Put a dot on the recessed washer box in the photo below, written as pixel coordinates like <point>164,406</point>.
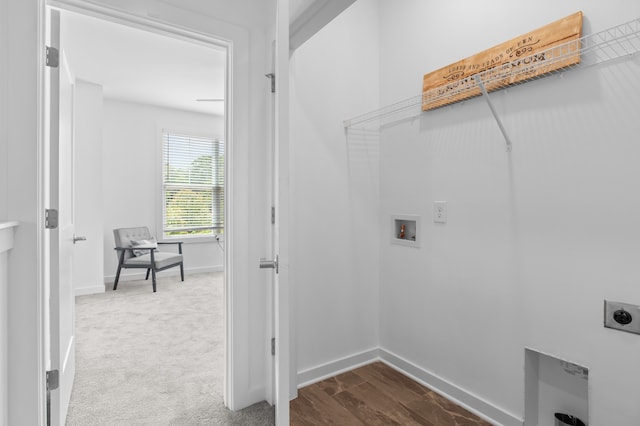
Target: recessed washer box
<point>405,230</point>
<point>554,385</point>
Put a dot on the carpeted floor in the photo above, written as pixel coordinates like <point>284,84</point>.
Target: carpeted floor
<point>145,358</point>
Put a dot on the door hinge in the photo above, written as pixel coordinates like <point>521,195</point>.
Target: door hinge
<point>273,215</point>
<point>272,76</point>
<point>51,57</point>
<point>53,380</point>
<point>51,218</point>
<point>273,346</point>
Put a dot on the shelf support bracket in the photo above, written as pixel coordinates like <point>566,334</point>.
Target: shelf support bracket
<point>478,80</point>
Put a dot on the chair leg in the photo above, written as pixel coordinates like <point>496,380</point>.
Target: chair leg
<point>120,262</point>
<point>115,283</point>
<point>153,278</point>
<point>181,272</point>
<point>147,277</point>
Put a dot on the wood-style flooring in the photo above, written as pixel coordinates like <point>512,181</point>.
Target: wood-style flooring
<point>376,395</point>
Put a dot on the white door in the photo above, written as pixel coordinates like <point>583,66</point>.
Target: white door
<point>61,238</point>
<point>281,229</point>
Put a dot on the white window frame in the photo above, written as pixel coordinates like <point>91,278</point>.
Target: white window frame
<point>161,190</point>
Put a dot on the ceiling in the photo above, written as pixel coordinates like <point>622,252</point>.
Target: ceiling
<point>139,66</point>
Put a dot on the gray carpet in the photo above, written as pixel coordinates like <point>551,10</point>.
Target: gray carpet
<point>145,358</point>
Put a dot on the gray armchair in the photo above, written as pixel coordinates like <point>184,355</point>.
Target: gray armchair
<point>136,248</point>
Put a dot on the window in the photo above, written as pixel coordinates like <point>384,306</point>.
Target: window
<point>192,185</point>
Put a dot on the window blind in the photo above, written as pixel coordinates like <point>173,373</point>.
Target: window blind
<point>192,185</point>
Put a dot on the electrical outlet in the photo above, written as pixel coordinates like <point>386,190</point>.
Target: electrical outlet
<point>440,211</point>
<point>622,316</point>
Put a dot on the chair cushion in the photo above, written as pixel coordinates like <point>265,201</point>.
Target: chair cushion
<point>123,237</point>
<point>162,259</point>
<point>150,243</point>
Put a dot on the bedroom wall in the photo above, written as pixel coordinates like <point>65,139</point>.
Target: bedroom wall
<point>537,238</point>
<point>131,190</point>
<point>334,207</point>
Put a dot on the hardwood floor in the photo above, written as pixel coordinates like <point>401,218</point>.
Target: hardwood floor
<point>376,395</point>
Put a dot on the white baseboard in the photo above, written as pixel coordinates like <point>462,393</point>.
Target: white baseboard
<point>83,291</point>
<point>465,399</point>
<point>127,275</point>
<point>333,368</point>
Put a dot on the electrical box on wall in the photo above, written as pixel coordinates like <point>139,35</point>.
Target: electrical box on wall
<point>622,316</point>
<point>405,230</point>
<point>440,211</point>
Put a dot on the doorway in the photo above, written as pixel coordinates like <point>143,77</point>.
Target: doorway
<point>130,156</point>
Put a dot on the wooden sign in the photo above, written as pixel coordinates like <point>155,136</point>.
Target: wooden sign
<point>522,58</point>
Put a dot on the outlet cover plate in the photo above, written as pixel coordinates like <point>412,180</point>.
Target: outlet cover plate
<point>610,308</point>
<point>440,211</point>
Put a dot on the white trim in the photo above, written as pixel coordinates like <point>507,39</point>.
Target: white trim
<point>338,366</point>
<point>7,232</point>
<point>68,353</point>
<point>9,224</point>
<point>41,243</point>
<point>270,193</point>
<point>228,393</point>
<point>87,7</point>
<point>285,381</point>
<point>478,406</point>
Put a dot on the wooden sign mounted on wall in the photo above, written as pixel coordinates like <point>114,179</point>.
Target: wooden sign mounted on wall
<point>525,57</point>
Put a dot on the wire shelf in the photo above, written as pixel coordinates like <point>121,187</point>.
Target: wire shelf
<point>613,43</point>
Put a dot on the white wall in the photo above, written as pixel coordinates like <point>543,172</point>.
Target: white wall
<point>24,357</point>
<point>4,306</point>
<point>4,35</point>
<point>88,258</point>
<point>334,229</point>
<point>535,239</point>
<point>131,160</point>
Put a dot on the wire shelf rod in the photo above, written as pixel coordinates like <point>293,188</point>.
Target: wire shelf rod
<point>495,114</point>
<point>604,46</point>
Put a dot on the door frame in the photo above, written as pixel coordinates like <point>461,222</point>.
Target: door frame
<point>167,29</point>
